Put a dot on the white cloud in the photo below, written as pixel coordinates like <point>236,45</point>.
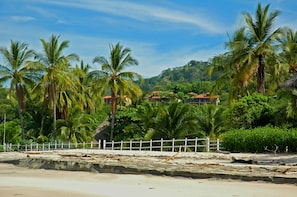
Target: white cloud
<point>147,12</point>
<point>22,18</point>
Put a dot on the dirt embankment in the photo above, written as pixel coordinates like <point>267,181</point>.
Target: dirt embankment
<point>247,167</point>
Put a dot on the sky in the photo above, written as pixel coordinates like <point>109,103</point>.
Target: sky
<point>161,34</point>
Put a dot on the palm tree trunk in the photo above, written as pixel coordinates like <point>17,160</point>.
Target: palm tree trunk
<point>113,112</point>
<point>112,126</point>
<point>55,121</point>
<point>261,75</point>
<point>19,99</point>
<point>21,121</point>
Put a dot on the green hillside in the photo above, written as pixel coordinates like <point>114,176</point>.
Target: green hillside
<point>191,73</point>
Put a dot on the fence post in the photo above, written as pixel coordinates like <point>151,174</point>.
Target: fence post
<point>104,144</point>
<point>62,145</point>
<point>121,145</point>
<point>37,147</point>
<point>151,145</point>
<point>140,145</point>
<point>42,146</point>
<point>186,142</point>
<point>84,145</point>
<point>172,145</point>
<point>31,146</point>
<point>26,147</point>
<point>207,144</point>
<point>18,147</point>
<point>218,144</point>
<point>112,145</point>
<point>161,144</point>
<point>69,145</point>
<point>99,144</point>
<point>49,146</point>
<point>130,145</point>
<point>196,144</point>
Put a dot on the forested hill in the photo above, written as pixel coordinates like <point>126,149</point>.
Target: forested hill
<point>191,72</point>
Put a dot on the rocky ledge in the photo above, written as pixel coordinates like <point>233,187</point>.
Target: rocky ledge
<point>276,168</point>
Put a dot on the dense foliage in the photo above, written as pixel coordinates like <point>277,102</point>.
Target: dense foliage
<point>50,96</point>
<point>263,139</point>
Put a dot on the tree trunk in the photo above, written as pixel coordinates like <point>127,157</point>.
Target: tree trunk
<point>112,126</point>
<point>261,75</point>
<point>55,121</point>
<point>113,112</point>
<point>19,97</point>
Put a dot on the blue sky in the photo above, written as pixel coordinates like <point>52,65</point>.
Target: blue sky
<point>161,33</point>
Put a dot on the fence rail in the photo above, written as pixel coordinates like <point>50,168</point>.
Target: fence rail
<point>174,145</point>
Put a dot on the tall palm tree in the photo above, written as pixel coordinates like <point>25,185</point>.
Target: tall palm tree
<point>236,64</point>
<point>56,77</point>
<point>262,37</point>
<point>18,72</point>
<point>113,77</point>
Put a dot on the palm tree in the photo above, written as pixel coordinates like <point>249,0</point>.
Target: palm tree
<point>87,99</point>
<point>236,65</point>
<point>79,127</point>
<point>210,120</point>
<point>176,120</point>
<point>262,38</point>
<point>113,77</point>
<point>56,79</point>
<point>289,49</point>
<point>18,72</point>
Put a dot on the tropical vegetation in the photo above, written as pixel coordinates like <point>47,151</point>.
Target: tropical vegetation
<point>52,96</point>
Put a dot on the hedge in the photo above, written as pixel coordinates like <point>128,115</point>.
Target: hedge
<point>259,140</point>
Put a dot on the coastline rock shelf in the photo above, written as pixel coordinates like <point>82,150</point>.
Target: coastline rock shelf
<point>279,168</point>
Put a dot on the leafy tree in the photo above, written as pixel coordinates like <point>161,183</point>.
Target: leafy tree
<point>12,132</point>
<point>249,112</point>
<point>289,49</point>
<point>18,73</point>
<point>55,80</point>
<point>113,77</point>
<point>210,120</point>
<point>89,98</point>
<point>78,127</point>
<point>262,37</point>
<point>176,120</point>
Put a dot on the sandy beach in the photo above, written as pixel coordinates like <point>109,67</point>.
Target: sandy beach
<point>17,181</point>
<point>86,173</point>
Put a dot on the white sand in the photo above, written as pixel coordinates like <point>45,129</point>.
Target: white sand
<point>16,181</point>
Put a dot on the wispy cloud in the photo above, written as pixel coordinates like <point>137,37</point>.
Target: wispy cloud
<point>145,12</point>
<point>22,18</point>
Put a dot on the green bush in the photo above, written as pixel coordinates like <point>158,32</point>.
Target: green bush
<point>258,140</point>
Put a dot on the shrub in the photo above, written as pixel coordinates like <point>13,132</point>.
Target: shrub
<point>260,140</point>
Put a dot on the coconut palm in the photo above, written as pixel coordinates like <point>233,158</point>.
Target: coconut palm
<point>236,65</point>
<point>79,127</point>
<point>262,37</point>
<point>56,80</point>
<point>289,49</point>
<point>113,77</point>
<point>176,120</point>
<point>18,73</point>
<point>87,99</point>
<point>210,120</point>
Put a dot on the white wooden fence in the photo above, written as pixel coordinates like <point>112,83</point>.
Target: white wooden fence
<point>174,145</point>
